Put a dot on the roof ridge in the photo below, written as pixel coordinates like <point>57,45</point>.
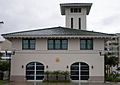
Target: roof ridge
<point>31,30</point>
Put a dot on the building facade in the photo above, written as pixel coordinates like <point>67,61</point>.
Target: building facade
<point>5,49</point>
<point>70,48</point>
<point>118,46</point>
<point>5,45</point>
<point>57,52</point>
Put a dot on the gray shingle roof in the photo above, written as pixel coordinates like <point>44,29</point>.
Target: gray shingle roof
<point>55,31</point>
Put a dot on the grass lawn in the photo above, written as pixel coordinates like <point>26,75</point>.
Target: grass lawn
<point>3,81</point>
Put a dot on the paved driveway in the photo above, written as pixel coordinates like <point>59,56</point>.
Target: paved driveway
<point>38,83</point>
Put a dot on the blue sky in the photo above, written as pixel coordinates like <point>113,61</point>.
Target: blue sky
<point>19,15</point>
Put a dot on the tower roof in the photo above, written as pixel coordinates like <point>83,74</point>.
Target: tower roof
<point>74,5</point>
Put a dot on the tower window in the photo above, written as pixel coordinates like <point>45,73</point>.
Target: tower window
<point>75,10</point>
<point>71,22</point>
<point>71,10</point>
<point>79,23</point>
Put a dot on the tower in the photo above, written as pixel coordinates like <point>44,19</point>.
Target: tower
<point>75,14</point>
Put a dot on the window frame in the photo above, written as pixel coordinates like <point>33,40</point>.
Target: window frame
<point>72,23</point>
<point>86,44</point>
<point>79,22</point>
<point>54,48</point>
<point>29,44</point>
<point>75,10</point>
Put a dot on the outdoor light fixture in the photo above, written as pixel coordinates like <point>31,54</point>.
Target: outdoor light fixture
<point>13,52</point>
<point>101,53</point>
<point>92,67</point>
<point>46,66</point>
<point>22,66</point>
<point>67,67</point>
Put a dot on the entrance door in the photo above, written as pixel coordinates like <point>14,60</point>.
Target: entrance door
<point>79,71</point>
<point>34,71</point>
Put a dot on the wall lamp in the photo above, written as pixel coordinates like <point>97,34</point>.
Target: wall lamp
<point>101,52</point>
<point>46,66</point>
<point>67,66</point>
<point>92,67</point>
<point>22,66</point>
<point>13,52</point>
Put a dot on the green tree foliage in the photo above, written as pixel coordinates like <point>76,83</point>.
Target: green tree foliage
<point>1,55</point>
<point>109,62</point>
<point>57,76</point>
<point>4,65</point>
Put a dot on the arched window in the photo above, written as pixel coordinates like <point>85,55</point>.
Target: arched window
<point>34,71</point>
<point>79,71</point>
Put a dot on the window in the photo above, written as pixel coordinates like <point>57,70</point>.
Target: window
<point>75,10</point>
<point>79,71</point>
<point>57,44</point>
<point>34,71</point>
<point>50,44</point>
<point>79,23</point>
<point>71,22</point>
<point>71,10</point>
<point>64,44</point>
<point>86,44</point>
<point>28,44</point>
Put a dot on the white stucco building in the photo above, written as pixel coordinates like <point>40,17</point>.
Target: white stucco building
<point>70,48</point>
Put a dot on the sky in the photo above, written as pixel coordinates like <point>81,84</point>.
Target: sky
<point>20,15</point>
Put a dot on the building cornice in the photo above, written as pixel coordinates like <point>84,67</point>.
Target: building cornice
<point>103,37</point>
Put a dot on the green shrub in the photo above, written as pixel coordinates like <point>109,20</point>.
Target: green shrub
<point>113,78</point>
<point>4,82</point>
<point>56,76</point>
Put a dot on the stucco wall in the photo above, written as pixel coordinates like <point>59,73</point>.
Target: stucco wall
<point>73,44</point>
<point>41,44</point>
<point>16,44</point>
<point>50,59</point>
<point>76,17</point>
<point>66,57</point>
